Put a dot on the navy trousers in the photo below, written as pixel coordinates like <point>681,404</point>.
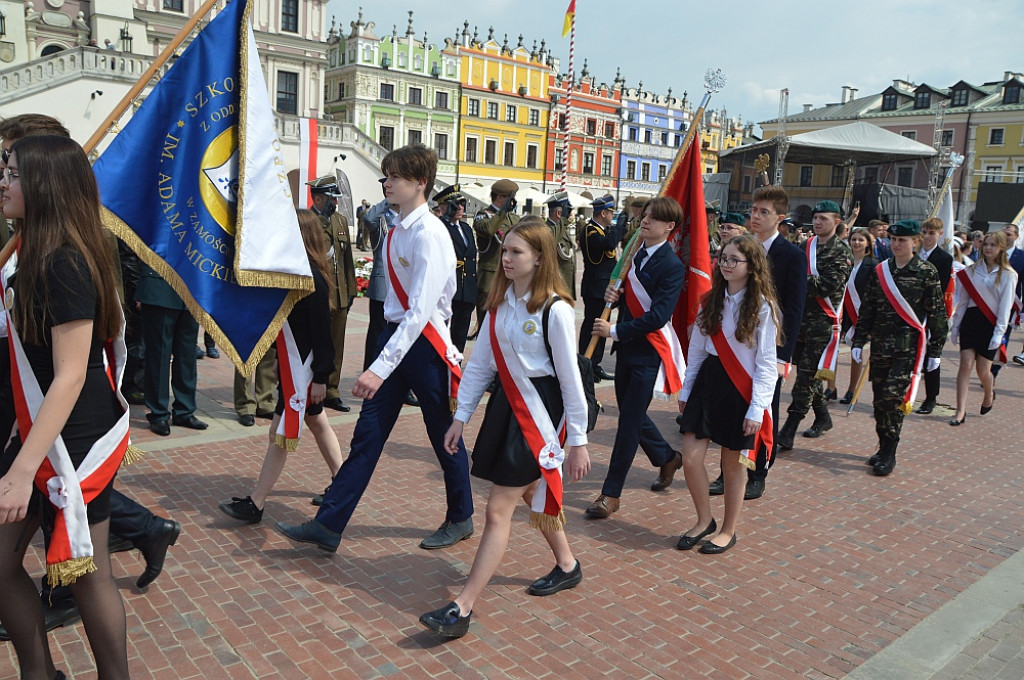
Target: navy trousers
<point>425,373</point>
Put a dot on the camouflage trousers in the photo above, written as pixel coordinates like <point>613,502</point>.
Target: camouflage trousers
<point>808,391</point>
<point>890,374</point>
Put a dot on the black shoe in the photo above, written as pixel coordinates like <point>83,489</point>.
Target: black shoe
<point>200,352</point>
<point>212,353</point>
<point>785,439</point>
<point>986,409</point>
<point>156,552</point>
<point>712,549</point>
<point>717,487</point>
<point>311,532</point>
<point>448,534</point>
<point>190,421</point>
<point>754,490</point>
<point>830,395</point>
<point>318,499</point>
<point>886,461</point>
<point>687,542</point>
<point>847,398</point>
<point>337,404</point>
<point>447,621</point>
<point>160,427</point>
<point>116,544</point>
<point>601,374</point>
<point>266,415</point>
<point>243,509</point>
<point>411,400</point>
<point>954,422</point>
<point>822,423</point>
<point>556,580</point>
<point>927,407</point>
<point>53,617</point>
<point>247,419</point>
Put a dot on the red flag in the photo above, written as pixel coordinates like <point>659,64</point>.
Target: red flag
<point>689,240</point>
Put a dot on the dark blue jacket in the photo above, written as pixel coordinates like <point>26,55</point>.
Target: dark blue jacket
<point>789,269</point>
<point>662,277</point>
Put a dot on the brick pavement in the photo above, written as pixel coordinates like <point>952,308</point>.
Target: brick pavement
<point>832,566</point>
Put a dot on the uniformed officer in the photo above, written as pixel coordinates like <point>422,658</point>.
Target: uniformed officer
<point>490,226</point>
<point>453,208</point>
<point>343,272</point>
<point>558,214</point>
<point>900,350</point>
<point>598,242</point>
<point>830,261</point>
<point>633,207</point>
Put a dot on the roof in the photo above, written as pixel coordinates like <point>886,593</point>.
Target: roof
<point>859,142</point>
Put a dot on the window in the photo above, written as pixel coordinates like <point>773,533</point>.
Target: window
<point>558,159</point>
<point>633,132</point>
<point>645,172</point>
<point>510,154</point>
<point>806,175</point>
<point>909,134</point>
<point>588,163</point>
<point>947,138</point>
<point>535,117</point>
<point>664,139</point>
<point>663,171</point>
<point>175,5</point>
<point>890,101</point>
<point>647,136</point>
<point>341,90</point>
<point>510,113</point>
<point>1011,94</point>
<point>993,173</point>
<point>490,151</point>
<point>473,107</point>
<point>387,91</point>
<point>746,184</point>
<point>606,165</point>
<point>287,92</point>
<point>561,122</point>
<point>441,146</point>
<point>905,177</point>
<point>960,97</point>
<point>591,126</point>
<point>471,149</point>
<point>416,96</point>
<point>678,141</point>
<point>922,100</point>
<point>415,137</point>
<point>995,137</point>
<point>440,100</point>
<point>838,175</point>
<point>492,110</point>
<point>630,169</point>
<point>290,16</point>
<point>609,130</point>
<point>871,174</point>
<point>531,156</point>
<point>1019,179</point>
<point>386,137</point>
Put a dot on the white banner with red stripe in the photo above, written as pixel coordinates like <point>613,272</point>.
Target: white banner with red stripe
<point>827,361</point>
<point>296,378</point>
<point>664,340</point>
<point>906,312</point>
<point>851,307</point>
<point>307,159</point>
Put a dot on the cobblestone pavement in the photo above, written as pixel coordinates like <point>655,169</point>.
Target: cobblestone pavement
<point>835,571</point>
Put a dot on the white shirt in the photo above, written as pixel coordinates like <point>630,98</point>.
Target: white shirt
<point>768,242</point>
<point>924,254</point>
<point>419,242</point>
<point>758,360</point>
<point>530,349</point>
<point>985,281</point>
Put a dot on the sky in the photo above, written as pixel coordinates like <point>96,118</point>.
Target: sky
<point>812,47</point>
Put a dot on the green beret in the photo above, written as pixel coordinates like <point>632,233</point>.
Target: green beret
<point>905,228</point>
<point>827,207</point>
<point>504,186</point>
<point>733,218</point>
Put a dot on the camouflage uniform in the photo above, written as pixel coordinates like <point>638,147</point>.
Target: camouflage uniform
<point>631,228</point>
<point>566,252</point>
<point>490,226</point>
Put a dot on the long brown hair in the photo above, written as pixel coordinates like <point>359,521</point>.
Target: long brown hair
<point>546,280</point>
<point>760,285</point>
<point>1001,260</point>
<point>313,238</point>
<point>62,209</point>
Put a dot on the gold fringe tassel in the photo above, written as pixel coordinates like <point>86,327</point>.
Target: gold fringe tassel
<point>907,407</point>
<point>545,522</point>
<point>133,455</point>
<point>288,445</point>
<point>67,572</point>
<point>825,374</point>
<point>453,404</point>
<point>747,463</point>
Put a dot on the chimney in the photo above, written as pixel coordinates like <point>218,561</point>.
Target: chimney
<point>853,93</point>
<point>808,107</point>
<point>846,94</point>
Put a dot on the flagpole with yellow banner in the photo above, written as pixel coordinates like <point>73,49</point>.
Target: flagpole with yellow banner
<point>568,28</point>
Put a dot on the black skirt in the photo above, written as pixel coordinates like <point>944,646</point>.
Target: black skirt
<point>501,454</point>
<point>715,409</point>
<point>976,333</point>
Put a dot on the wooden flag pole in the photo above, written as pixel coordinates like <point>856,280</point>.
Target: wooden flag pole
<point>860,386</point>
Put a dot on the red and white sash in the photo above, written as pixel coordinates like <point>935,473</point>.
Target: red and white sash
<point>743,381</point>
<point>543,438</point>
<point>851,307</point>
<point>827,361</point>
<point>436,330</point>
<point>664,340</point>
<point>296,379</point>
<point>70,553</point>
<point>984,301</point>
<point>906,312</point>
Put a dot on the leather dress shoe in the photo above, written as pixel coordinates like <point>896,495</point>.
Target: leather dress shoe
<point>717,487</point>
<point>247,419</point>
<point>601,374</point>
<point>116,544</point>
<point>927,407</point>
<point>160,427</point>
<point>156,552</point>
<point>447,621</point>
<point>190,421</point>
<point>448,534</point>
<point>668,473</point>
<point>556,580</point>
<point>687,542</point>
<point>710,548</point>
<point>847,398</point>
<point>212,352</point>
<point>337,404</point>
<point>311,532</point>
<point>200,352</point>
<point>242,509</point>
<point>53,617</point>
<point>411,400</point>
<point>602,508</point>
<point>754,490</point>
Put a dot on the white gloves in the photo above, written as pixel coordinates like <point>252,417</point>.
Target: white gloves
<point>995,343</point>
<point>933,363</point>
<point>855,354</point>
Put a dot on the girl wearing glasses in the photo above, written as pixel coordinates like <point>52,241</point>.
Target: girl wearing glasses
<point>728,387</point>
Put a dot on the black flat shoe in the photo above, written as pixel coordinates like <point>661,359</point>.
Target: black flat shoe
<point>189,421</point>
<point>712,549</point>
<point>986,409</point>
<point>954,422</point>
<point>447,621</point>
<point>156,552</point>
<point>687,542</point>
<point>556,580</point>
<point>847,398</point>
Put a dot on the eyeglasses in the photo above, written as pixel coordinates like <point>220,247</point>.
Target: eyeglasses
<point>729,262</point>
<point>5,155</point>
<point>10,174</point>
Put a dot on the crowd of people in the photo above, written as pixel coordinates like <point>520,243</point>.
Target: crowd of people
<point>780,299</point>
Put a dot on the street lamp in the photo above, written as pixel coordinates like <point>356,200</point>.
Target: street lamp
<point>126,39</point>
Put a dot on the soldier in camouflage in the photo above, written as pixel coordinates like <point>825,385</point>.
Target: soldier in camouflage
<point>894,342</point>
<point>490,226</point>
<point>832,262</point>
<point>634,206</point>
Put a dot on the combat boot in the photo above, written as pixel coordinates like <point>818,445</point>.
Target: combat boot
<point>788,431</point>
<point>886,457</point>
<point>822,423</point>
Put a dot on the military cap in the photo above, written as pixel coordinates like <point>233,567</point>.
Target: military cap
<point>606,202</point>
<point>452,193</point>
<point>504,186</point>
<point>827,207</point>
<point>733,218</point>
<point>328,184</point>
<point>905,228</point>
<point>792,224</point>
<point>637,202</point>
<point>559,200</point>
<point>710,207</point>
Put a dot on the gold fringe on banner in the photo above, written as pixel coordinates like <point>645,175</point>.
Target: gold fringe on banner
<point>133,455</point>
<point>67,572</point>
<point>825,374</point>
<point>747,463</point>
<point>545,522</point>
<point>288,445</point>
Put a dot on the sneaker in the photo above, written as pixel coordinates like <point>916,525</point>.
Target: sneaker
<point>243,509</point>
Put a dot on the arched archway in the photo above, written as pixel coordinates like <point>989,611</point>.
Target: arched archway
<point>51,49</point>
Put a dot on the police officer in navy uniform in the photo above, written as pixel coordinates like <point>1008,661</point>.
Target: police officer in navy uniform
<point>453,206</point>
<point>490,226</point>
<point>598,244</point>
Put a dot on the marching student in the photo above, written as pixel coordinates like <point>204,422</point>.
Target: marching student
<point>729,385</point>
<point>538,408</point>
<point>984,302</point>
<point>931,231</point>
<point>650,358</point>
<point>904,318</point>
<point>862,245</point>
<point>305,359</point>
